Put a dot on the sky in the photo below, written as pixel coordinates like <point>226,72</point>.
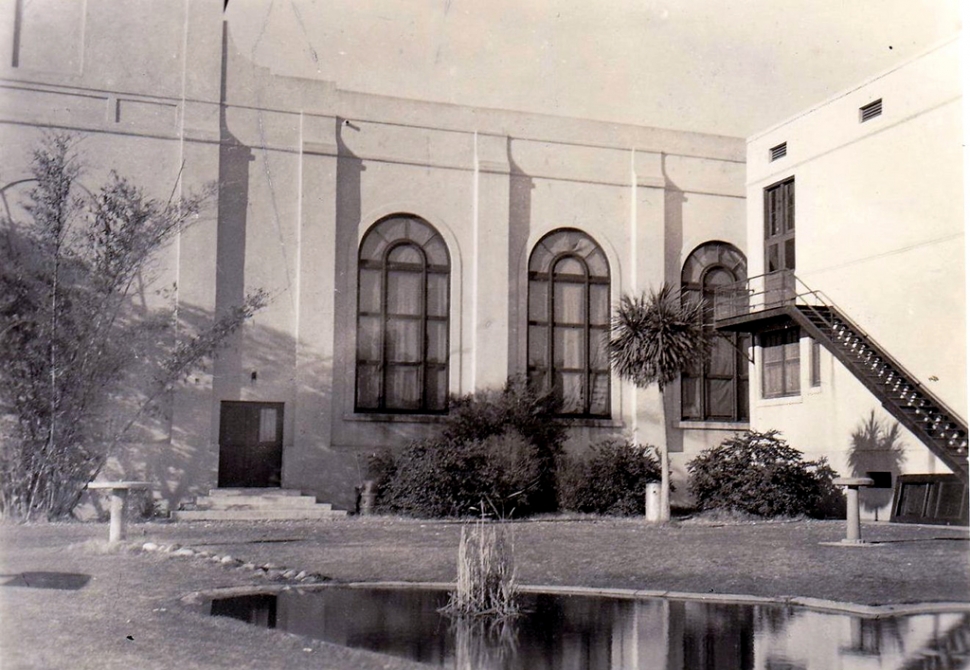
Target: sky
<point>729,67</point>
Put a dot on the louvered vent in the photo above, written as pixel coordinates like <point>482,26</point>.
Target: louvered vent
<point>870,111</point>
<point>779,151</point>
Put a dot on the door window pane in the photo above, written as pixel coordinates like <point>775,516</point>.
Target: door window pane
<point>267,424</point>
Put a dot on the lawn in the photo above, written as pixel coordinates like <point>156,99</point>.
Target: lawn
<point>128,614</point>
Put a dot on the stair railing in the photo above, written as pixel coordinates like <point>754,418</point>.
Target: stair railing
<point>825,301</point>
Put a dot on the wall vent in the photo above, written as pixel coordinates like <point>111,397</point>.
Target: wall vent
<point>870,111</point>
<point>779,151</point>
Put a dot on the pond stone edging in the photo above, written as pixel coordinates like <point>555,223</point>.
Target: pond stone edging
<point>270,571</point>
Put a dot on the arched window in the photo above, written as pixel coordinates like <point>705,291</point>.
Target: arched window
<point>718,389</point>
<point>569,322</point>
<point>402,317</point>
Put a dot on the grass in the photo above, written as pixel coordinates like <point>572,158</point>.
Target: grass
<point>129,613</point>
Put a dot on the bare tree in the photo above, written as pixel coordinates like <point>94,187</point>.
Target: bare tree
<point>71,333</point>
<point>653,339</point>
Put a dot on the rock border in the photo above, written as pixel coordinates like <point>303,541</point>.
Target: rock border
<point>269,571</point>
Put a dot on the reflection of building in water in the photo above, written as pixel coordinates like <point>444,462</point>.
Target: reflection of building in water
<point>816,641</point>
<point>588,633</point>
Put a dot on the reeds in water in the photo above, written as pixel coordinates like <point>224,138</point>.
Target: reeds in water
<point>486,583</point>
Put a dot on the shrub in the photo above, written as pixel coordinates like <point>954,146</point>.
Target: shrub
<point>612,479</point>
<point>496,447</point>
<point>761,474</point>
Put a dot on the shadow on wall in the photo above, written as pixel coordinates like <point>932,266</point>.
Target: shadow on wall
<point>172,446</point>
<point>674,199</point>
<point>876,448</point>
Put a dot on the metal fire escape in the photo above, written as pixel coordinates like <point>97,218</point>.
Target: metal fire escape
<point>768,301</point>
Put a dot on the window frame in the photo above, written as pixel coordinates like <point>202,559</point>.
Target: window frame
<point>787,343</point>
<point>732,261</point>
<point>383,367</point>
<point>547,373</point>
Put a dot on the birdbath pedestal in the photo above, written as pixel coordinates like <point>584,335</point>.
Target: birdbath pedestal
<point>119,504</point>
<point>853,531</point>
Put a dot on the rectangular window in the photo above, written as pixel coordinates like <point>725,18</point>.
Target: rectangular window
<point>870,111</point>
<point>779,151</point>
<point>816,362</point>
<point>780,364</point>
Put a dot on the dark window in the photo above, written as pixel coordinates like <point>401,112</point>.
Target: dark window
<point>816,362</point>
<point>717,390</point>
<point>780,363</point>
<point>569,322</point>
<point>402,318</point>
<point>779,151</point>
<point>870,111</point>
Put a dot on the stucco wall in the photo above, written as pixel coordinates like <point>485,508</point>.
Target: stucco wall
<point>880,230</point>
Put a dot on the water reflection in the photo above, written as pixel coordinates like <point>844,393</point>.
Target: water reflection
<point>584,633</point>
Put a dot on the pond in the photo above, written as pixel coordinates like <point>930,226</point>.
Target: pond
<point>559,632</point>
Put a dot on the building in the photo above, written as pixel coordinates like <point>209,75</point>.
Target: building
<point>415,250</point>
<point>876,235</point>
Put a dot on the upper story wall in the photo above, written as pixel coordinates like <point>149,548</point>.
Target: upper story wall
<point>879,211</point>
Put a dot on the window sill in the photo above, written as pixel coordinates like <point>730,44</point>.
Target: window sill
<point>714,425</point>
<point>591,422</point>
<point>781,401</point>
<point>395,418</point>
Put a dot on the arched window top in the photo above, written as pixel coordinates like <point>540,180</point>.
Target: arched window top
<point>567,243</point>
<point>711,257</point>
<point>403,238</point>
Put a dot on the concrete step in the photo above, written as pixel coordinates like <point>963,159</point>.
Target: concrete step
<point>267,501</point>
<point>258,514</point>
<point>254,491</point>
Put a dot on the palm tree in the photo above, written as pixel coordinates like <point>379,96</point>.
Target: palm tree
<point>653,339</point>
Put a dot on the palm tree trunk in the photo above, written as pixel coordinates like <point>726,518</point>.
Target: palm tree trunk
<point>664,462</point>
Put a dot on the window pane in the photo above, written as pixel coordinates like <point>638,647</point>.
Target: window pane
<point>538,346</point>
<point>436,388</point>
<point>267,424</point>
<point>405,253</point>
<point>404,292</point>
<point>690,398</point>
<point>402,390</point>
<point>792,369</point>
<point>437,252</point>
<point>599,304</point>
<point>437,294</point>
<point>597,264</point>
<point>790,254</point>
<point>373,246</point>
<point>404,341</point>
<point>720,398</point>
<point>368,386</point>
<point>538,300</point>
<point>571,386</point>
<point>570,266</point>
<point>569,303</point>
<point>816,374</point>
<point>568,348</point>
<point>369,338</point>
<point>722,358</point>
<point>437,342</point>
<point>599,403</point>
<point>772,385</point>
<point>598,354</point>
<point>370,290</point>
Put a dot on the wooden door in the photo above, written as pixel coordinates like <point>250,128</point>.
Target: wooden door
<point>250,444</point>
<point>779,242</point>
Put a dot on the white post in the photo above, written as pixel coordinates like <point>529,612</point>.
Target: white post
<point>654,491</point>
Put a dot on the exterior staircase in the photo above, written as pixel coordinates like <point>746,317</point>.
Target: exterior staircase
<point>942,430</point>
<point>256,504</point>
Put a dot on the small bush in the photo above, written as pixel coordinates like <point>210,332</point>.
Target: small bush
<point>759,473</point>
<point>496,447</point>
<point>612,479</point>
